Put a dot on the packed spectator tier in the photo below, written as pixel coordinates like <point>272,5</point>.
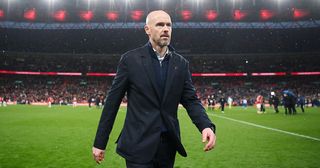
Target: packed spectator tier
<point>199,63</point>
<point>32,89</point>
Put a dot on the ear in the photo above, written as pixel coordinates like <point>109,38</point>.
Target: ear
<point>147,29</point>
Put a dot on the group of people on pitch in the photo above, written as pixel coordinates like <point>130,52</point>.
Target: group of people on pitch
<point>289,101</point>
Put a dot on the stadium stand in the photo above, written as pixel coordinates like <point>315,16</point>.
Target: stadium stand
<point>118,41</point>
<point>44,46</point>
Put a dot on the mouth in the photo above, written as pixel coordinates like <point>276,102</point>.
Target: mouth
<point>166,36</point>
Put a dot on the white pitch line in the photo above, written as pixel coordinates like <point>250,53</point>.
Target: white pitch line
<point>268,128</point>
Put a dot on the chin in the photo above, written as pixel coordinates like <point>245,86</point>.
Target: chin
<point>164,43</point>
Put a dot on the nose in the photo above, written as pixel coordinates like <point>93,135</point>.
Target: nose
<point>166,28</point>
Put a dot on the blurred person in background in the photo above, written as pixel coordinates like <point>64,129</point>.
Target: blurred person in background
<point>244,103</point>
<point>230,101</point>
<point>222,102</point>
<point>50,101</point>
<point>1,100</point>
<point>289,102</point>
<point>275,101</point>
<point>90,101</point>
<point>211,102</point>
<point>301,102</point>
<point>260,104</point>
<point>74,102</point>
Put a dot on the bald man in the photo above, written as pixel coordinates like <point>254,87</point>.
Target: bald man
<point>156,79</point>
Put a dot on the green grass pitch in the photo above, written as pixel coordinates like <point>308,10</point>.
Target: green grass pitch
<point>62,137</point>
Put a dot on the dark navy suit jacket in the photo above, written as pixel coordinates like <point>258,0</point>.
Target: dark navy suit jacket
<point>146,110</point>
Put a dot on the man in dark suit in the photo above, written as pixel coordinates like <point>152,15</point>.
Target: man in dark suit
<point>156,79</point>
<point>301,102</point>
<point>275,101</point>
<point>289,101</point>
<point>222,102</point>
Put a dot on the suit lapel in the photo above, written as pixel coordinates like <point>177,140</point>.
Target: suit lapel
<point>170,76</point>
<point>147,64</point>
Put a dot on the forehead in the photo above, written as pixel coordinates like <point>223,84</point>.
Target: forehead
<point>160,17</point>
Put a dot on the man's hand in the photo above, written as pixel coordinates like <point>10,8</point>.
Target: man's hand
<point>210,137</point>
<point>98,154</point>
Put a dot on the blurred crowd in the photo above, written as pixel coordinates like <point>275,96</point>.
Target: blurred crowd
<point>27,90</point>
<point>34,89</point>
<point>198,63</point>
<point>217,51</point>
<point>66,89</point>
<point>250,87</point>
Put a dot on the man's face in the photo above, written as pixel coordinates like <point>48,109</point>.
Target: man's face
<point>159,29</point>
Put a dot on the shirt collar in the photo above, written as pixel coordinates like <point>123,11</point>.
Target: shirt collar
<point>158,54</point>
<point>154,55</point>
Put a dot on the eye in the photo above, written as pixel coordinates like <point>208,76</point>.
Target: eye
<point>160,24</point>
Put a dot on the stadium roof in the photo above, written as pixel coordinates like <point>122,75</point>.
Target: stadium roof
<point>123,11</point>
<point>139,25</point>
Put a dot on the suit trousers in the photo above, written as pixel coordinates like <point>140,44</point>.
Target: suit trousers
<point>164,157</point>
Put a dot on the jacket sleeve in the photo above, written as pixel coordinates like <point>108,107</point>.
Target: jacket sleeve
<point>111,107</point>
<point>192,104</point>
